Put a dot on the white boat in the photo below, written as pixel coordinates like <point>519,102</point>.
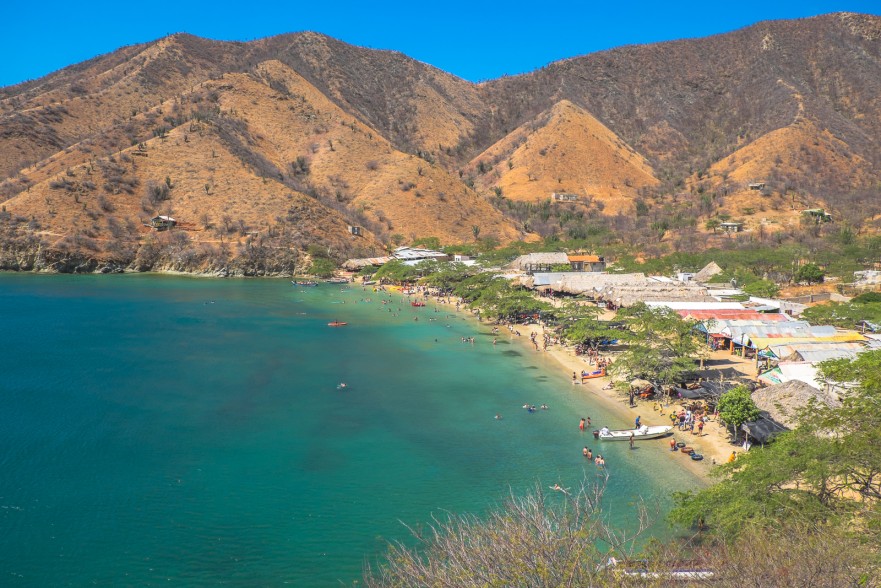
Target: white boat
<point>644,432</point>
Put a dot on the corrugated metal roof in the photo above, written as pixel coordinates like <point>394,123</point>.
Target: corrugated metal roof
<point>546,278</point>
<point>825,354</point>
<point>732,314</point>
<point>416,253</point>
<point>698,306</point>
<point>763,342</point>
<point>788,350</point>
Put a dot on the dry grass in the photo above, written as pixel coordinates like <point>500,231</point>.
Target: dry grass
<point>565,150</point>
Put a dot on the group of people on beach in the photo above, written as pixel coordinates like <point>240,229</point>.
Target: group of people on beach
<point>687,420</point>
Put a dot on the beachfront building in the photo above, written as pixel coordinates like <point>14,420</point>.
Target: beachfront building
<point>615,290</point>
<point>410,255</point>
<point>587,263</point>
<point>360,263</point>
<point>540,262</point>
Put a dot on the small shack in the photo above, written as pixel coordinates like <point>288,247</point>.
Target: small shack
<point>587,263</point>
<point>756,185</point>
<point>731,227</point>
<point>763,429</point>
<point>355,230</point>
<point>162,222</point>
<point>818,215</point>
<point>564,197</point>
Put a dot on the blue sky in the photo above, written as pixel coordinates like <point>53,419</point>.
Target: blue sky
<point>474,40</point>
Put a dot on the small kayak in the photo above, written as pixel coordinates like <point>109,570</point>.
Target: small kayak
<point>337,324</point>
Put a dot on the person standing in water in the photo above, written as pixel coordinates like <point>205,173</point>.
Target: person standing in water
<point>581,425</point>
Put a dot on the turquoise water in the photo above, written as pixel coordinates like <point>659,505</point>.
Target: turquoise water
<point>158,430</point>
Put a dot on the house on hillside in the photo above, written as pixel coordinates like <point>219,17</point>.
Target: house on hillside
<point>564,197</point>
<point>587,263</point>
<point>756,185</point>
<point>731,227</point>
<point>818,215</point>
<point>355,230</point>
<point>162,222</point>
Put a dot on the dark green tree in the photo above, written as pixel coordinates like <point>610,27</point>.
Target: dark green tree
<point>810,273</point>
<point>737,407</point>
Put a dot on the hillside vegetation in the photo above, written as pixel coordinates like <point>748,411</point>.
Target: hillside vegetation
<point>287,141</point>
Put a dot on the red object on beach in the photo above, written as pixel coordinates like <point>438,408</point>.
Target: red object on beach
<point>336,324</point>
<point>417,304</point>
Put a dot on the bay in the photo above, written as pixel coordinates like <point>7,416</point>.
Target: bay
<point>158,429</point>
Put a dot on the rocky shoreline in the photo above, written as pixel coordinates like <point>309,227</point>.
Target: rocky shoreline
<point>28,252</point>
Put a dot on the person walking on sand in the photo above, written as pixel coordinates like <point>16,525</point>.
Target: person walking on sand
<point>581,425</point>
<point>574,377</point>
<point>637,422</point>
<point>700,428</point>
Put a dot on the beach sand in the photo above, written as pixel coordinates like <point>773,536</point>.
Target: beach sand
<point>713,444</point>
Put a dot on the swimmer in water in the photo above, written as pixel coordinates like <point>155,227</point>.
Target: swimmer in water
<point>558,488</point>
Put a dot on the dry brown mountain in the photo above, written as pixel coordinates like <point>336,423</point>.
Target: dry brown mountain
<point>565,150</point>
<point>286,141</point>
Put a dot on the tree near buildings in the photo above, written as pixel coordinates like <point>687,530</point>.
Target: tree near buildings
<point>824,475</point>
<point>810,273</point>
<point>661,346</point>
<point>737,407</point>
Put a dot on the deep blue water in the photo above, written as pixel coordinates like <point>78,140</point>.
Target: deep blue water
<point>165,430</point>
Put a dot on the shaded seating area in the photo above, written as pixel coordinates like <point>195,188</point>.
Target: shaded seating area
<point>764,429</point>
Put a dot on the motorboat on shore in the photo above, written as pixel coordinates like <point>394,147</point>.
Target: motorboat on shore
<point>644,432</point>
<point>303,283</point>
<point>337,280</point>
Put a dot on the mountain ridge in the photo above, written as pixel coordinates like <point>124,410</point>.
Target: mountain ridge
<point>657,122</point>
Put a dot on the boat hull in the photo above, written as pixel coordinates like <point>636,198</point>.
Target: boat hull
<point>624,435</point>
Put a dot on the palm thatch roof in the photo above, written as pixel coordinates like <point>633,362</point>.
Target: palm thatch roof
<point>783,401</point>
<point>709,270</point>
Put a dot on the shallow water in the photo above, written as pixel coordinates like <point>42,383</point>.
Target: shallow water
<point>158,429</point>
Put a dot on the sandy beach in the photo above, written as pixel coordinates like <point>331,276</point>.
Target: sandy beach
<point>713,444</point>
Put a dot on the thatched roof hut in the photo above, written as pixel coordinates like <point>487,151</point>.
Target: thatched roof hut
<point>783,401</point>
<point>709,270</point>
